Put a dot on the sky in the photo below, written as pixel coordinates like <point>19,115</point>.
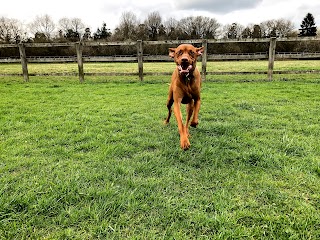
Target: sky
<point>94,12</point>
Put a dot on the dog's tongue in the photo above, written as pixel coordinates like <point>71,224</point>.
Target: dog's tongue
<point>181,70</point>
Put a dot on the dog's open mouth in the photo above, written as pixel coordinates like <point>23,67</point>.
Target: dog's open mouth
<point>184,68</point>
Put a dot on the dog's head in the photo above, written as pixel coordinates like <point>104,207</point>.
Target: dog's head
<point>185,56</point>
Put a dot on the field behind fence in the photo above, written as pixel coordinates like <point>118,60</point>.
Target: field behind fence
<point>141,60</point>
<point>126,72</point>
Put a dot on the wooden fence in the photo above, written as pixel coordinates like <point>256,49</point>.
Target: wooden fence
<point>140,57</point>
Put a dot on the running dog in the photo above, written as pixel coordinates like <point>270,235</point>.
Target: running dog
<point>185,88</point>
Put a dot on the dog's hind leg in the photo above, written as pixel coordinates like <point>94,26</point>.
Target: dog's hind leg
<point>169,105</point>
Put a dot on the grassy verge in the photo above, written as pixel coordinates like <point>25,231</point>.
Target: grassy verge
<point>93,160</point>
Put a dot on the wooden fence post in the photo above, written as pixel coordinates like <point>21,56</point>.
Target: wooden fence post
<point>140,59</point>
<point>272,53</point>
<point>80,61</point>
<point>204,59</point>
<point>24,63</point>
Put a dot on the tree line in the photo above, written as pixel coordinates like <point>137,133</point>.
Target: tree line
<point>154,27</point>
<point>43,29</point>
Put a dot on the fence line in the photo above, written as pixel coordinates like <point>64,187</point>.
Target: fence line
<point>162,58</point>
<point>271,55</point>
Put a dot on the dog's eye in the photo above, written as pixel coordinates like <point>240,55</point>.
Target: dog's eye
<point>179,53</point>
<point>191,53</point>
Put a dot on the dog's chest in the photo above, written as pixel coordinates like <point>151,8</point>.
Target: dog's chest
<point>189,92</point>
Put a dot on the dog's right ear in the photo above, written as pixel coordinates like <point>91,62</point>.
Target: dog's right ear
<point>172,52</point>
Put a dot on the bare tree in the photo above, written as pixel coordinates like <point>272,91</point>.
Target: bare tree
<point>64,25</point>
<point>77,25</point>
<point>284,27</point>
<point>153,23</point>
<point>208,27</point>
<point>72,26</point>
<point>5,30</point>
<point>170,24</point>
<point>268,28</point>
<point>127,27</point>
<point>186,26</point>
<point>277,28</point>
<point>42,25</point>
<point>142,32</point>
<point>199,27</point>
<point>233,31</point>
<point>11,30</point>
<point>171,28</point>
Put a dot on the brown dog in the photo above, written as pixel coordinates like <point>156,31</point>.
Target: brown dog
<point>185,88</point>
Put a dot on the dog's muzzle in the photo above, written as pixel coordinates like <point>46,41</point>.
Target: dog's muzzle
<point>185,67</point>
<point>183,70</point>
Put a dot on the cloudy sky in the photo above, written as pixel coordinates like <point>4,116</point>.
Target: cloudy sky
<point>94,12</point>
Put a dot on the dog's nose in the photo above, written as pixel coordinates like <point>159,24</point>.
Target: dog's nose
<point>184,59</point>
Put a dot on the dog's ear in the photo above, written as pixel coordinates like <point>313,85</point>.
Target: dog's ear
<point>172,52</point>
<point>200,51</point>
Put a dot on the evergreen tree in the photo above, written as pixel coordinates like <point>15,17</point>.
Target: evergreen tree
<point>72,35</point>
<point>257,33</point>
<point>87,34</point>
<point>246,33</point>
<point>308,26</point>
<point>232,32</point>
<point>40,37</point>
<point>102,33</point>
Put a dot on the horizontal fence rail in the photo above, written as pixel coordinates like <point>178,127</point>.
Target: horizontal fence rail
<point>140,58</point>
<point>163,58</point>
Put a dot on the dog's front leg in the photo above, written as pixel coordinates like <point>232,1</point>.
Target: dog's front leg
<point>184,141</point>
<point>190,109</point>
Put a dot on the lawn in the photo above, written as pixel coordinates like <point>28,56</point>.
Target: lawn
<point>94,161</point>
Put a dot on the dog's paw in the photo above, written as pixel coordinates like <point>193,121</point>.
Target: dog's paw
<point>165,122</point>
<point>194,124</point>
<point>185,144</point>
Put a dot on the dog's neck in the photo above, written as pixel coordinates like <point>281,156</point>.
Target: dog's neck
<point>187,77</point>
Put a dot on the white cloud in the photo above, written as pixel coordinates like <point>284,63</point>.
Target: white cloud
<point>217,6</point>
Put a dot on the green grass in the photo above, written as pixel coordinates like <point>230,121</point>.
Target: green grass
<point>94,161</point>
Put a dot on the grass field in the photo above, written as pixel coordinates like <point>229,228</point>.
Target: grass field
<point>94,161</point>
<point>154,67</point>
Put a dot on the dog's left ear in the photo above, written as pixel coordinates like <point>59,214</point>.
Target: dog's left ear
<point>200,51</point>
<point>172,52</point>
